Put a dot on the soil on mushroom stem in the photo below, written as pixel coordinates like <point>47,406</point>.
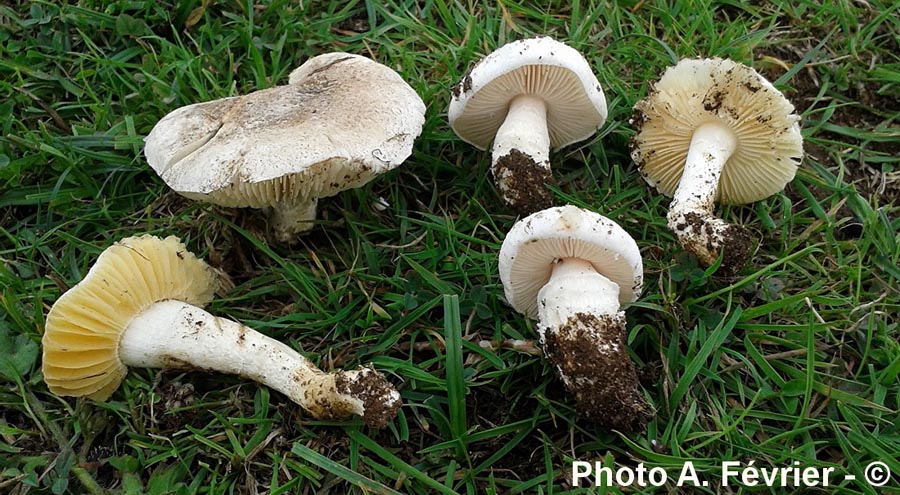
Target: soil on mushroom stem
<point>591,353</point>
<point>526,182</point>
<point>737,246</point>
<point>736,242</point>
<point>375,392</point>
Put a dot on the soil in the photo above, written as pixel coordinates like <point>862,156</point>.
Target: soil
<point>737,246</point>
<point>355,24</point>
<point>467,83</point>
<point>591,355</point>
<point>875,106</point>
<point>464,86</point>
<point>380,400</point>
<point>525,187</point>
<point>735,241</point>
<point>175,395</point>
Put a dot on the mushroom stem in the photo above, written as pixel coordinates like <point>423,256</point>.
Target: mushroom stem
<point>691,215</point>
<point>711,146</point>
<point>520,155</point>
<point>173,334</point>
<point>292,219</point>
<point>575,287</point>
<point>583,333</point>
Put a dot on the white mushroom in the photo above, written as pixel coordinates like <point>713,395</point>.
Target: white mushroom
<point>341,120</point>
<point>527,97</point>
<point>572,269</point>
<point>141,305</point>
<point>715,130</point>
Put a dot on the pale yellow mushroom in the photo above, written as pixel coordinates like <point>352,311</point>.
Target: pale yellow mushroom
<point>141,305</point>
<point>714,130</point>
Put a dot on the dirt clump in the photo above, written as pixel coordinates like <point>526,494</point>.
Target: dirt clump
<point>737,245</point>
<point>380,401</point>
<point>699,234</point>
<point>523,182</point>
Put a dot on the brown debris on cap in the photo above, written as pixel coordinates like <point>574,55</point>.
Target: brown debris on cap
<point>696,91</point>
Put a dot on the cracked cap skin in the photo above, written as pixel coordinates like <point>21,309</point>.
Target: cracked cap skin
<point>341,120</point>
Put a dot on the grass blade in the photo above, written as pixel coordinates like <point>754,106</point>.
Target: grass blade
<point>456,385</point>
<point>690,372</point>
<point>344,473</point>
<point>398,464</point>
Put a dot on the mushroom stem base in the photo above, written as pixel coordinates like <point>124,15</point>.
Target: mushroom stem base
<point>173,334</point>
<point>590,355</point>
<point>706,236</point>
<point>522,182</point>
<point>290,220</point>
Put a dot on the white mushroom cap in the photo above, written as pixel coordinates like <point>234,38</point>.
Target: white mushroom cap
<point>341,121</point>
<point>536,242</point>
<point>699,91</point>
<point>544,67</point>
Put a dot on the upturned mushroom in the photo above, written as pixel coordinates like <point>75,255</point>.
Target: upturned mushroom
<point>141,305</point>
<point>341,120</point>
<point>571,269</point>
<point>715,130</point>
<point>527,97</point>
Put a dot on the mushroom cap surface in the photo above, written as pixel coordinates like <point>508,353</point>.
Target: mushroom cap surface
<point>342,120</point>
<point>536,242</point>
<point>543,67</point>
<point>81,337</point>
<point>698,91</point>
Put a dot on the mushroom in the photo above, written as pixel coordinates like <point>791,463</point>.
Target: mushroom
<point>715,130</point>
<point>141,305</point>
<point>571,269</point>
<point>341,120</point>
<point>528,96</point>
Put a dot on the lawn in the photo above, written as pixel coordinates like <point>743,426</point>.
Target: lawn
<point>794,358</point>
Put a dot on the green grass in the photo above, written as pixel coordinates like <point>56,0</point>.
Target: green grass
<point>795,358</point>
